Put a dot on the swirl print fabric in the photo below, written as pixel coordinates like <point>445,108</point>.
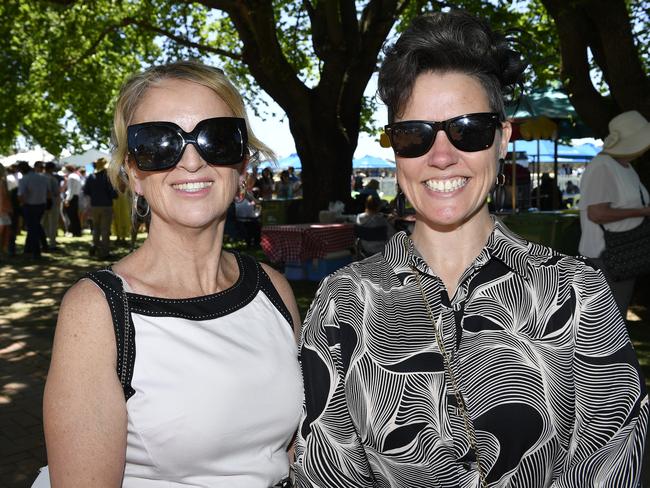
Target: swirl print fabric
<point>539,350</point>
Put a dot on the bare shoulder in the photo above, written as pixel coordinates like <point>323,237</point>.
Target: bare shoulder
<point>84,311</point>
<point>84,333</point>
<point>286,293</point>
<point>280,283</point>
<point>83,407</point>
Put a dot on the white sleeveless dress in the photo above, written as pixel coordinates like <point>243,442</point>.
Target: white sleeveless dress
<point>215,393</point>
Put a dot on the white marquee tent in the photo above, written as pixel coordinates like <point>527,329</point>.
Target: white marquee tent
<point>30,156</point>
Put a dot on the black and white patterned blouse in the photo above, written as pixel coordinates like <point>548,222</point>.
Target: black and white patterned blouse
<point>540,352</point>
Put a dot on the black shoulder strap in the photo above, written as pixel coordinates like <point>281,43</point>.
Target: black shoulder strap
<point>118,303</point>
<point>266,285</point>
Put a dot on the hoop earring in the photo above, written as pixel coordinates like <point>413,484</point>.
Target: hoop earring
<point>139,202</point>
<point>241,193</point>
<point>497,192</point>
<point>501,178</point>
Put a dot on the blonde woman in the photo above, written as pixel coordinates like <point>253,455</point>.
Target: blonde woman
<point>178,365</point>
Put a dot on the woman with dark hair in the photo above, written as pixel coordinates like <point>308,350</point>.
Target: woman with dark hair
<point>284,187</point>
<point>266,184</point>
<point>463,355</point>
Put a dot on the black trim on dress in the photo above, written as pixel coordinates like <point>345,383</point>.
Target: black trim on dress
<point>252,279</point>
<point>113,289</point>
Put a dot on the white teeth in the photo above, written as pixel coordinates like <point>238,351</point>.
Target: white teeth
<point>192,186</point>
<point>446,186</point>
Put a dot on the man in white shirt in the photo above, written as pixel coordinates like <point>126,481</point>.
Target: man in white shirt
<point>71,201</point>
<point>612,195</point>
<point>13,177</point>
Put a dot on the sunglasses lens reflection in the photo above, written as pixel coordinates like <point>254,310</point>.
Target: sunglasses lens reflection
<point>220,143</point>
<point>468,133</point>
<point>472,134</point>
<point>159,145</point>
<point>412,139</point>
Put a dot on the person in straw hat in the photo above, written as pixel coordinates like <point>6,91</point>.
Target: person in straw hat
<point>612,194</point>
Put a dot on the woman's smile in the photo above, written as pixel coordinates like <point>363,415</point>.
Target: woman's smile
<point>446,185</point>
<point>192,186</point>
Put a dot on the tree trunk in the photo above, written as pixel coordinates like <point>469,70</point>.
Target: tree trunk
<point>325,119</point>
<point>603,26</point>
<point>326,157</point>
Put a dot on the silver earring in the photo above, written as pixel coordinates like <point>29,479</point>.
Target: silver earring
<point>138,203</point>
<point>241,193</point>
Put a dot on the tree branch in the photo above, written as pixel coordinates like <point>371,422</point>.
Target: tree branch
<point>350,24</point>
<point>145,25</point>
<point>186,42</point>
<point>308,7</point>
<point>573,29</point>
<point>262,53</point>
<point>224,5</point>
<point>622,65</point>
<point>377,19</point>
<point>93,47</point>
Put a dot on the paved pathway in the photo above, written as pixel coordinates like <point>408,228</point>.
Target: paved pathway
<point>30,293</point>
<point>24,359</point>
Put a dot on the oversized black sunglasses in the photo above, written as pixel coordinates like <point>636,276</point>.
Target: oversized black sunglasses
<point>160,145</point>
<point>468,133</point>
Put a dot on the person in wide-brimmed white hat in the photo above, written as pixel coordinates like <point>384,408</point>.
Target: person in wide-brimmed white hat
<point>612,194</point>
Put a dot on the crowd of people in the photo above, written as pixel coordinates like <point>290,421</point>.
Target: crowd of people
<point>64,200</point>
<point>48,201</point>
<point>244,217</point>
<point>266,186</point>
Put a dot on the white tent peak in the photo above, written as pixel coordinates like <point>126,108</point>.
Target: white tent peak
<point>86,157</point>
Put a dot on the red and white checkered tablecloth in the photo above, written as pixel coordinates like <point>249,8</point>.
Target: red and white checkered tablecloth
<point>296,243</point>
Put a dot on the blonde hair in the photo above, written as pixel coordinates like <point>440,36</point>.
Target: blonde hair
<point>135,87</point>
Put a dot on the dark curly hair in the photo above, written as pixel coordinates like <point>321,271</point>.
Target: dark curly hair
<point>450,42</point>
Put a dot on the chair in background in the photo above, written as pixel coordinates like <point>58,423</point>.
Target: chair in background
<point>369,240</point>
